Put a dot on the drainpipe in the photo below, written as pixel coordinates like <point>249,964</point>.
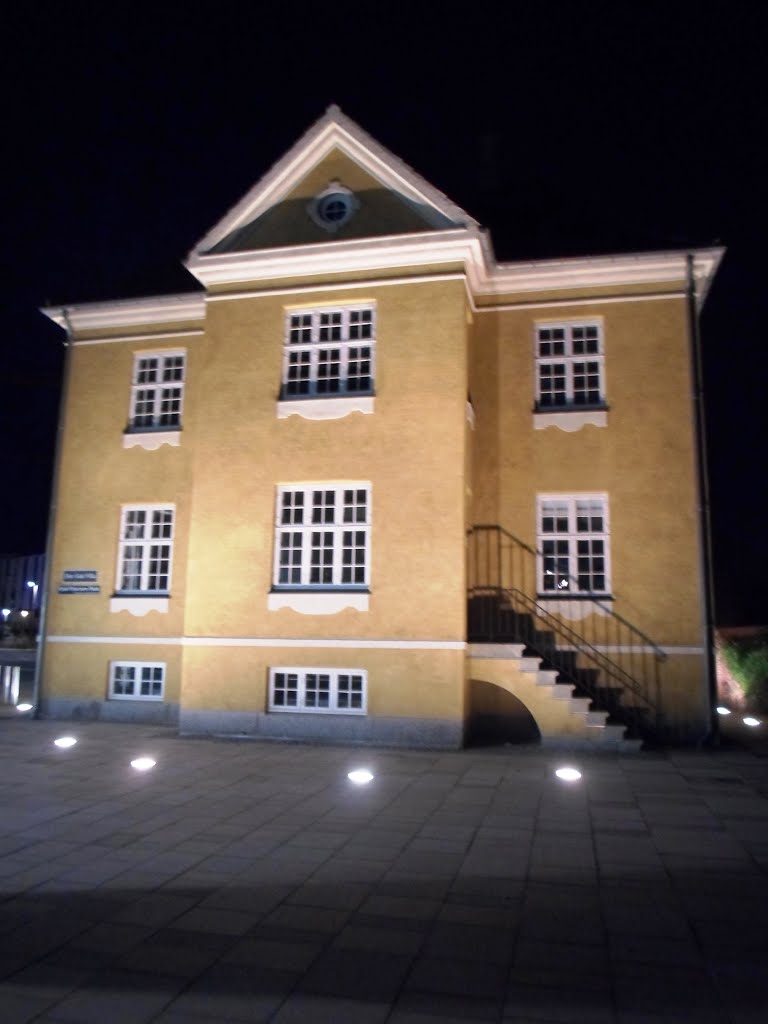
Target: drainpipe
<point>712,736</point>
<point>37,685</point>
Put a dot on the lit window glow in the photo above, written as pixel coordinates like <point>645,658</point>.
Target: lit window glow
<point>65,741</point>
<point>752,722</point>
<point>723,711</point>
<point>24,707</point>
<point>568,774</point>
<point>143,764</point>
<point>360,776</point>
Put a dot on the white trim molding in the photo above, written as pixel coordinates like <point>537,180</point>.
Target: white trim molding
<point>138,606</point>
<point>573,610</point>
<point>151,440</point>
<point>318,603</point>
<point>570,421</point>
<point>165,336</point>
<point>638,649</point>
<point>452,246</point>
<point>325,408</point>
<point>291,642</point>
<point>161,309</point>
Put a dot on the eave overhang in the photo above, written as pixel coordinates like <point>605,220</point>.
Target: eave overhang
<point>367,255</point>
<point>163,309</point>
<point>584,272</point>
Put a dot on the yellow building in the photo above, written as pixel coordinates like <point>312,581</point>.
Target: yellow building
<point>371,484</point>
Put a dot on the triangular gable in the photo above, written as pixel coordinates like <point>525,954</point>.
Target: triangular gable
<point>333,138</point>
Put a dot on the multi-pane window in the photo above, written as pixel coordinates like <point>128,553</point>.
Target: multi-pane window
<point>323,536</point>
<point>136,680</point>
<point>146,544</point>
<point>573,545</point>
<point>329,352</point>
<point>157,391</point>
<point>331,690</point>
<point>569,358</point>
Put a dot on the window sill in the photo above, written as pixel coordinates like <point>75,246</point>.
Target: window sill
<point>316,711</point>
<point>136,700</point>
<point>151,440</point>
<point>138,605</point>
<point>324,408</point>
<point>575,607</point>
<point>318,602</point>
<point>570,420</point>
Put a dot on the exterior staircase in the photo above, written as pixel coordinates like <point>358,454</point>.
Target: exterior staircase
<point>564,716</point>
<point>609,679</point>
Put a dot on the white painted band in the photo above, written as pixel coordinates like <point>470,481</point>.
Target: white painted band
<point>225,641</point>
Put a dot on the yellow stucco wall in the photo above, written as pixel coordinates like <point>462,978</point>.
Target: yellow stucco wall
<point>410,450</point>
<point>431,476</point>
<point>408,684</point>
<point>99,476</point>
<point>81,671</point>
<point>643,460</point>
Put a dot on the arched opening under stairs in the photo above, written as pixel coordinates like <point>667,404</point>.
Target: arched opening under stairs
<point>497,717</point>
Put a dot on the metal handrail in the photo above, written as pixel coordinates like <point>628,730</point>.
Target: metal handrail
<point>583,594</point>
<point>507,595</point>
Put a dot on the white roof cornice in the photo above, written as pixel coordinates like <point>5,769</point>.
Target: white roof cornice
<point>163,309</point>
<point>603,271</point>
<point>367,255</point>
<point>334,130</point>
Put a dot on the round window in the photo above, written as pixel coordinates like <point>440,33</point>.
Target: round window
<point>334,209</point>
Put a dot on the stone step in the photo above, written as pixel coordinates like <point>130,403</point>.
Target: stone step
<point>599,718</point>
<point>558,691</point>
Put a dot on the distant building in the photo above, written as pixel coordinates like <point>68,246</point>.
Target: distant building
<point>21,580</point>
<point>372,484</point>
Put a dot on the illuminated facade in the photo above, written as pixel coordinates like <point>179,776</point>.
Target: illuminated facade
<point>373,485</point>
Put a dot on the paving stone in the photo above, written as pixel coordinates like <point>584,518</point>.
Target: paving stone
<point>648,882</point>
<point>470,942</point>
<point>120,998</point>
<point>303,1009</point>
<point>567,1005</point>
<point>214,919</point>
<point>18,1005</point>
<point>306,919</point>
<point>430,1007</point>
<point>285,956</point>
<point>467,978</point>
<point>342,897</point>
<point>365,975</point>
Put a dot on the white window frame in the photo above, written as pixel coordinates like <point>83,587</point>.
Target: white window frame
<point>570,536</point>
<point>569,360</point>
<point>312,347</point>
<point>300,532</point>
<point>304,703</point>
<point>145,543</point>
<point>138,668</point>
<point>159,392</point>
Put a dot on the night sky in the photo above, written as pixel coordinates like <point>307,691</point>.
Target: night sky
<point>567,129</point>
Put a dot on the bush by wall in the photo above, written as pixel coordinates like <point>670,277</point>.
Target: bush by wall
<point>747,661</point>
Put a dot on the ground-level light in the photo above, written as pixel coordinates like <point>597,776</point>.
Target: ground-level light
<point>568,774</point>
<point>24,707</point>
<point>143,764</point>
<point>752,722</point>
<point>723,711</point>
<point>360,776</point>
<point>65,741</point>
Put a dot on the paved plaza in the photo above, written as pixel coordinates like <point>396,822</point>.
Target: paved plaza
<point>246,881</point>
